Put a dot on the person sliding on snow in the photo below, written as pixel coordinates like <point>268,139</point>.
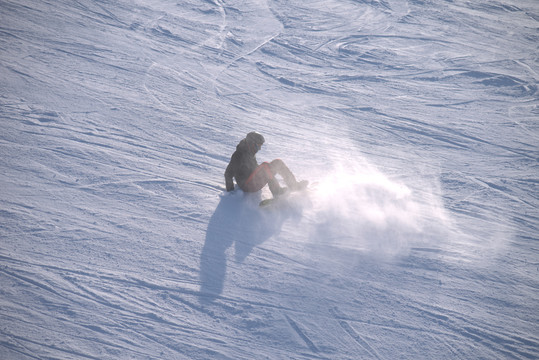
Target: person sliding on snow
<point>251,176</point>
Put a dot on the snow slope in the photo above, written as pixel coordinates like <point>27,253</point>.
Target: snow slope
<point>417,119</point>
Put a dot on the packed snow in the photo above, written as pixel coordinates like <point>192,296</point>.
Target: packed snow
<point>416,123</point>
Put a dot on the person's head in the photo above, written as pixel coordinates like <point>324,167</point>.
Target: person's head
<point>255,140</point>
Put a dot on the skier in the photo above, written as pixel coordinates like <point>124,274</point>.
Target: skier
<point>251,176</point>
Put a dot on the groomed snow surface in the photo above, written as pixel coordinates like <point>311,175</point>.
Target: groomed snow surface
<point>416,120</point>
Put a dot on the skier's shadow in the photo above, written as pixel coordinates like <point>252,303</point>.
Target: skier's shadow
<point>237,220</point>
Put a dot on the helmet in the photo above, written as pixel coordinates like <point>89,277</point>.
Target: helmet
<point>255,138</point>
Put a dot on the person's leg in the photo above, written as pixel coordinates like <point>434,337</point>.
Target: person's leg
<point>278,166</point>
<point>258,178</point>
<point>265,174</point>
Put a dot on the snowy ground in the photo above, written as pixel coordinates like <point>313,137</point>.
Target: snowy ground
<point>417,119</point>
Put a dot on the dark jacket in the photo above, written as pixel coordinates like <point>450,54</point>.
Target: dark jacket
<point>242,164</point>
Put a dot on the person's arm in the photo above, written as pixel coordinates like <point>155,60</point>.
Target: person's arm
<point>229,174</point>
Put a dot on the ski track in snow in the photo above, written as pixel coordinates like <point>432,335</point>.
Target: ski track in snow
<point>416,120</point>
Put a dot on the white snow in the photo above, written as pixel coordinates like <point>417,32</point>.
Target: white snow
<point>418,121</point>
